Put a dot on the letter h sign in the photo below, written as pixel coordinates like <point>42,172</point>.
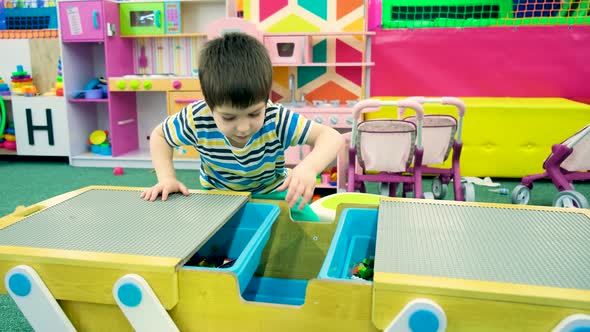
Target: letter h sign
<point>41,126</point>
<point>31,127</point>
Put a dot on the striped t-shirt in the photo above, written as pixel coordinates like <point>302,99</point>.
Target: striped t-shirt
<point>258,167</point>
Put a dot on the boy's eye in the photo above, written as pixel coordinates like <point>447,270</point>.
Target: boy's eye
<point>228,118</point>
<point>253,115</point>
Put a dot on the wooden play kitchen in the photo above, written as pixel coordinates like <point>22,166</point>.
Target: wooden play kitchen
<point>101,259</point>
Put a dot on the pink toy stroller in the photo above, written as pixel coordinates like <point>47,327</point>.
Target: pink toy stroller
<point>569,161</point>
<point>385,147</point>
<point>439,139</point>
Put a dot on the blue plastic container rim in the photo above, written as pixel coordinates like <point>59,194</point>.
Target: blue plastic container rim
<point>30,12</point>
<point>332,251</point>
<point>264,228</point>
<point>34,13</point>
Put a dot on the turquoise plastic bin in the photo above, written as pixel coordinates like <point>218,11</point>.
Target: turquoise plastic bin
<point>276,290</point>
<point>353,241</point>
<point>243,238</point>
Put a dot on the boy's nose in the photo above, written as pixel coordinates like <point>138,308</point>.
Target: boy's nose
<point>243,127</point>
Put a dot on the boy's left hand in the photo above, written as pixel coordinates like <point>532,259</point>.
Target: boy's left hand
<point>301,183</point>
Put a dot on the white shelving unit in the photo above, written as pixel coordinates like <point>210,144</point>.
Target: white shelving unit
<point>128,115</point>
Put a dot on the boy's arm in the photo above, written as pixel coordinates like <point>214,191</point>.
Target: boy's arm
<point>161,153</point>
<point>326,142</point>
<point>301,181</point>
<point>180,130</point>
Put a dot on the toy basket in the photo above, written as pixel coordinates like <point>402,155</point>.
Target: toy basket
<point>479,13</point>
<point>29,15</point>
<point>444,13</point>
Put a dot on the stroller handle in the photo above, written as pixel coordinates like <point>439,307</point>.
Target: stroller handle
<point>372,105</point>
<point>454,101</point>
<point>578,137</point>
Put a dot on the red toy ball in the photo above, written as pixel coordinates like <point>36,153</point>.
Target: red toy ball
<point>118,171</point>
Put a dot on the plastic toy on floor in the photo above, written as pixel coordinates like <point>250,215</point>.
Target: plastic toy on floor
<point>568,162</point>
<point>442,134</point>
<point>385,148</point>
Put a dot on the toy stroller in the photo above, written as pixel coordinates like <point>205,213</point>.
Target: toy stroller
<point>439,139</point>
<point>569,161</point>
<point>385,147</point>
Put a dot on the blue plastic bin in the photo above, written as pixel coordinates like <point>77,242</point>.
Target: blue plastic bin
<point>276,290</point>
<point>243,238</point>
<point>31,18</point>
<point>353,241</point>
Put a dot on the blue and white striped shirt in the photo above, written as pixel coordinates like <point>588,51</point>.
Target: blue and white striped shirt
<point>258,167</point>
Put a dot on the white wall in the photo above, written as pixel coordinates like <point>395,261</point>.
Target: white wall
<point>14,52</point>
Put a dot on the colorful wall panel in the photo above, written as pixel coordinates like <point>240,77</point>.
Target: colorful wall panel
<point>322,82</point>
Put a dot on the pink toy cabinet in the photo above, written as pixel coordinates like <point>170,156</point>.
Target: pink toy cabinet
<point>86,57</point>
<point>81,21</point>
<point>232,24</point>
<point>289,50</point>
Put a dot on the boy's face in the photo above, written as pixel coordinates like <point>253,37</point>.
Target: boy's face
<point>238,124</point>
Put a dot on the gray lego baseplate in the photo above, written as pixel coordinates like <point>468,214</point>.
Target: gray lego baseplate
<point>523,246</point>
<point>118,221</point>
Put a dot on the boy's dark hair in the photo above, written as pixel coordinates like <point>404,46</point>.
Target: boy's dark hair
<point>235,70</point>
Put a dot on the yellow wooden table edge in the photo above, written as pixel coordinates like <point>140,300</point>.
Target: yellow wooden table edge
<point>88,259</point>
<point>483,290</point>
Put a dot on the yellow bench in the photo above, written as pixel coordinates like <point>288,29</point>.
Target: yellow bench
<point>508,137</point>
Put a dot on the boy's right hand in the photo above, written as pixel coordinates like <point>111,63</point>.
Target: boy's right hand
<point>166,188</point>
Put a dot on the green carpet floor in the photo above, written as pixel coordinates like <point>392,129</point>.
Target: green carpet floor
<point>26,183</point>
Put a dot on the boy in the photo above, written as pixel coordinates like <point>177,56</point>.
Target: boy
<point>240,136</point>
